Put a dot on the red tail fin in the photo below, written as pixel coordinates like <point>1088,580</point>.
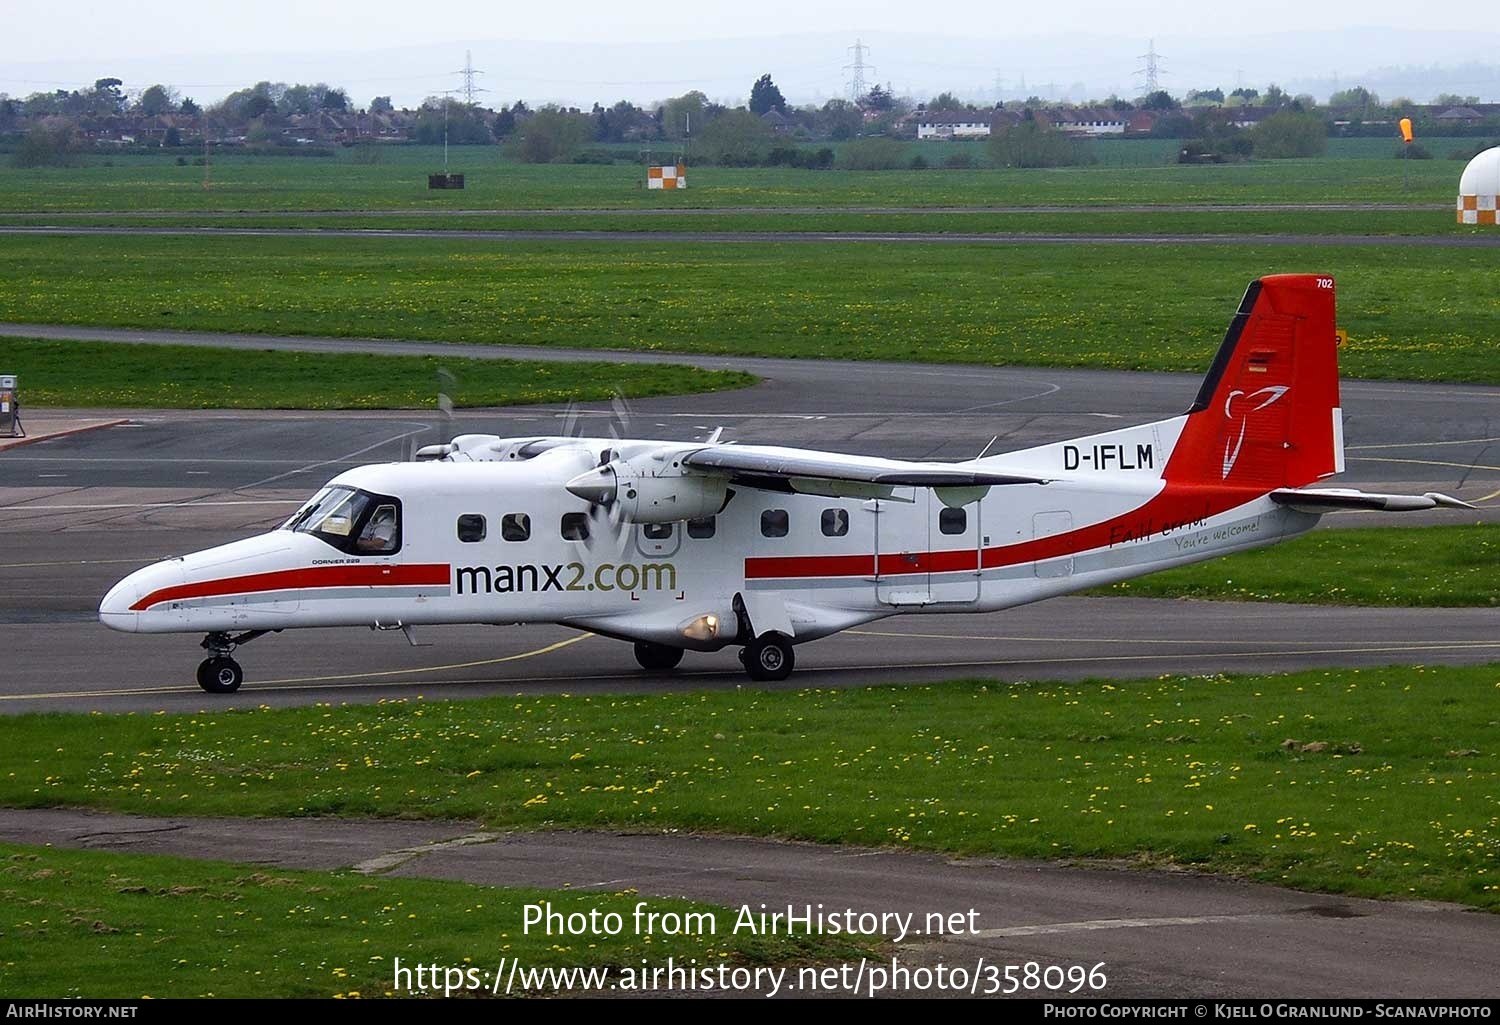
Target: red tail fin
<point>1268,413</point>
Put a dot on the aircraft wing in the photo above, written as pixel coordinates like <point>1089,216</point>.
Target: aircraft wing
<point>1322,500</point>
<point>779,469</point>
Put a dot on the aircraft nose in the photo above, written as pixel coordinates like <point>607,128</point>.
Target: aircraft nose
<point>114,610</point>
<point>117,611</point>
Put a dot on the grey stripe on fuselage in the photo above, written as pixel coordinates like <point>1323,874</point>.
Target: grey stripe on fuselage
<point>218,601</point>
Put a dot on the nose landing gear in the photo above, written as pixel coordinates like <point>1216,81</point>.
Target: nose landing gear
<point>220,673</point>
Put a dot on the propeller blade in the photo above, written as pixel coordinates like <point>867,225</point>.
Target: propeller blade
<point>446,383</point>
<point>608,533</point>
<point>570,420</point>
<point>620,427</point>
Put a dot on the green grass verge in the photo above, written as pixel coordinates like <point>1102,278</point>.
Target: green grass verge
<point>124,926</point>
<point>1388,786</point>
<point>1042,222</point>
<point>1392,566</point>
<point>1160,307</point>
<point>67,373</point>
<point>400,182</point>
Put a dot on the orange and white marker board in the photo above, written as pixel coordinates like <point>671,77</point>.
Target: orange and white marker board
<point>666,176</point>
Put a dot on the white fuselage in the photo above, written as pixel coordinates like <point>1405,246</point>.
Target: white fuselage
<point>802,564</point>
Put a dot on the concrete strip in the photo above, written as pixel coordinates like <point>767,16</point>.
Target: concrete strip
<point>46,428</point>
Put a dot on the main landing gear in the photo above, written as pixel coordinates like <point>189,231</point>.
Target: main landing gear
<point>768,657</point>
<point>659,657</point>
<point>220,673</point>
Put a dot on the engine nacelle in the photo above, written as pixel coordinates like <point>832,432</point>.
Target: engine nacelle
<point>645,497</point>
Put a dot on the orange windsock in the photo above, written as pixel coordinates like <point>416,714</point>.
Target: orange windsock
<point>1406,135</point>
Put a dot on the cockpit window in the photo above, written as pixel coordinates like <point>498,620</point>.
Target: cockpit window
<point>379,534</point>
<point>352,521</point>
<point>314,506</point>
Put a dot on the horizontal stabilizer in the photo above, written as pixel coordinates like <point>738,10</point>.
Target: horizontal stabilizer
<point>1322,500</point>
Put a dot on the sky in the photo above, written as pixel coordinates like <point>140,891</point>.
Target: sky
<point>590,49</point>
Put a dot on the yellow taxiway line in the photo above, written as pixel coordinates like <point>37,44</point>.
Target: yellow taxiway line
<point>304,682</point>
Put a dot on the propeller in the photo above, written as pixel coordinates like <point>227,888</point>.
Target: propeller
<point>608,534</point>
<point>600,488</point>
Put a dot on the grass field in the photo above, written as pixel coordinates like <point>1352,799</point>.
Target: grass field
<point>125,926</point>
<point>143,183</point>
<point>66,373</point>
<point>1040,221</point>
<point>1407,567</point>
<point>1377,782</point>
<point>1119,306</point>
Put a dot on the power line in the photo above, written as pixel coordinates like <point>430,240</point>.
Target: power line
<point>1152,69</point>
<point>857,70</point>
<point>468,72</point>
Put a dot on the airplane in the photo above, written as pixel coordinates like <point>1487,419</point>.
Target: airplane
<point>681,546</point>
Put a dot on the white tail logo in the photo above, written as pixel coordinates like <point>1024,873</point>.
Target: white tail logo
<point>1273,393</point>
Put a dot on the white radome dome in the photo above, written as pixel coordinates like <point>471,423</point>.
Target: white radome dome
<point>1482,176</point>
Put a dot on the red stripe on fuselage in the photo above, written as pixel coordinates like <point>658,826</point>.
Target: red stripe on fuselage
<point>1175,506</point>
<point>374,575</point>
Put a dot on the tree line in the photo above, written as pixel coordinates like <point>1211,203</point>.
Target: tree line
<point>765,129</point>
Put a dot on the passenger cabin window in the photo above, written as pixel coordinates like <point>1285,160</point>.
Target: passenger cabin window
<point>471,528</point>
<point>953,521</point>
<point>835,522</point>
<point>774,523</point>
<point>575,526</point>
<point>351,520</point>
<point>701,529</point>
<point>657,531</point>
<point>515,527</point>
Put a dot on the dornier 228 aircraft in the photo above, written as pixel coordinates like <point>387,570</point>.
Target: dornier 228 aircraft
<point>698,545</point>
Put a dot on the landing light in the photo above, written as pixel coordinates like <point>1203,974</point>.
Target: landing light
<point>703,628</point>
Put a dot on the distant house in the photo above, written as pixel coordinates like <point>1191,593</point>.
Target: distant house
<point>949,124</point>
<point>1091,122</point>
<point>1459,116</point>
<point>1249,117</point>
<point>778,122</point>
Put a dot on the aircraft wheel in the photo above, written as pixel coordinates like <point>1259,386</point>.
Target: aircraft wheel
<point>657,656</point>
<point>768,657</point>
<point>220,675</point>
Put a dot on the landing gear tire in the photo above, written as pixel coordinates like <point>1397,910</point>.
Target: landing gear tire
<point>768,657</point>
<point>657,656</point>
<point>220,675</point>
